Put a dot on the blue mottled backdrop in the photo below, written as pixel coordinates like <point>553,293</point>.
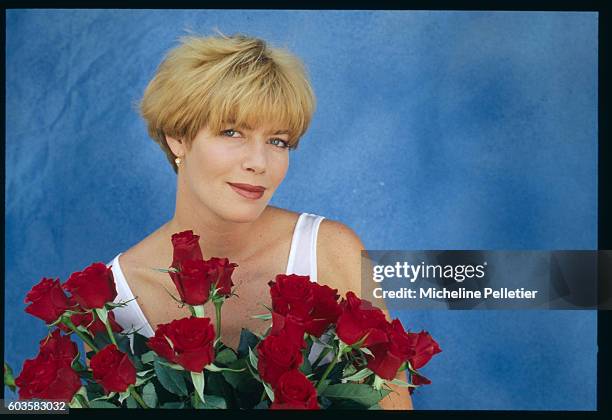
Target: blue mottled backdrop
<point>434,130</point>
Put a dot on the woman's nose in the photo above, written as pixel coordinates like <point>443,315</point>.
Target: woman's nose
<point>255,159</point>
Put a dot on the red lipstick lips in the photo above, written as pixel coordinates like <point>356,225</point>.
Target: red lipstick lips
<point>252,192</point>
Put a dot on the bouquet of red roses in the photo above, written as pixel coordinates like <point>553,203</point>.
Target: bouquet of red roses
<point>318,352</point>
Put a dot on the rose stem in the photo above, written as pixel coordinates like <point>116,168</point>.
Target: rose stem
<point>137,397</point>
<point>83,337</point>
<point>321,356</point>
<point>218,319</point>
<point>109,330</point>
<point>329,369</point>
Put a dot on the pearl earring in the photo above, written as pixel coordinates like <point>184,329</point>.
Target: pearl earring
<point>177,161</point>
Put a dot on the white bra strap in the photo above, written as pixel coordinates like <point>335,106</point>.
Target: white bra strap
<point>303,253</point>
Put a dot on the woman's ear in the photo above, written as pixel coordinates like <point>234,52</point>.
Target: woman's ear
<point>176,146</point>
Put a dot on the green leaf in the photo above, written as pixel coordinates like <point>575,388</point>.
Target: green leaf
<point>366,351</point>
<point>253,358</point>
<point>324,386</point>
<point>149,395</point>
<point>173,404</point>
<point>101,404</point>
<point>9,380</point>
<point>131,402</point>
<point>144,380</point>
<point>363,394</point>
<point>214,368</point>
<point>233,377</point>
<point>306,367</point>
<point>349,370</point>
<point>148,357</point>
<point>123,395</point>
<point>269,391</point>
<point>174,366</point>
<point>362,374</point>
<point>144,372</point>
<point>170,379</point>
<point>102,340</point>
<point>264,317</point>
<point>401,383</point>
<point>140,344</point>
<point>102,313</point>
<point>226,356</point>
<point>198,383</point>
<point>248,340</point>
<point>263,405</point>
<point>214,402</point>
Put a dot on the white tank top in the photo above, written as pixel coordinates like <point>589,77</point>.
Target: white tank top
<point>302,261</point>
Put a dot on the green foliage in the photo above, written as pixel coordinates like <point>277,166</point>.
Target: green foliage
<point>349,394</point>
<point>247,340</point>
<point>149,395</point>
<point>172,380</point>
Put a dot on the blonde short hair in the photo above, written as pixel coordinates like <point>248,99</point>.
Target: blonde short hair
<point>216,80</point>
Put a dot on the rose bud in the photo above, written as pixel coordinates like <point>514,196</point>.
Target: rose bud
<point>424,349</point>
<point>326,309</point>
<point>388,357</point>
<point>192,341</point>
<point>113,369</point>
<point>60,347</point>
<point>276,355</point>
<point>292,293</point>
<point>293,327</point>
<point>294,392</point>
<point>223,270</point>
<point>360,319</point>
<point>47,378</point>
<point>186,247</point>
<point>48,300</point>
<point>92,287</point>
<point>193,282</point>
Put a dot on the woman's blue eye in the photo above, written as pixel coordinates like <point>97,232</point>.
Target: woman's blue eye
<point>229,133</point>
<point>280,142</point>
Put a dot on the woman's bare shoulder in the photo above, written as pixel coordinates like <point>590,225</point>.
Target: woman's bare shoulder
<point>280,221</point>
<point>339,256</point>
<point>151,250</point>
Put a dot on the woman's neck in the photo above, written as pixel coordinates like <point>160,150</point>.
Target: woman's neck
<point>218,238</point>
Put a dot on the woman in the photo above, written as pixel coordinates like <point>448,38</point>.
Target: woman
<point>226,111</point>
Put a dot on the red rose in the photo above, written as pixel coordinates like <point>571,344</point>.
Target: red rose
<point>198,278</point>
<point>186,341</point>
<point>186,247</point>
<point>389,356</point>
<point>224,270</point>
<point>294,391</point>
<point>358,319</point>
<point>92,287</point>
<point>292,293</point>
<point>113,369</point>
<point>193,282</point>
<point>383,362</point>
<point>424,349</point>
<point>60,347</point>
<point>400,346</point>
<point>47,378</point>
<point>48,300</point>
<point>291,326</point>
<point>326,309</point>
<point>276,355</point>
<point>418,380</point>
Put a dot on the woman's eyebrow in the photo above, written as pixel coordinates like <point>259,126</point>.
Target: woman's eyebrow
<point>248,127</point>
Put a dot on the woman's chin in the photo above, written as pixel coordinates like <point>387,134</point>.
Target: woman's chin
<point>242,215</point>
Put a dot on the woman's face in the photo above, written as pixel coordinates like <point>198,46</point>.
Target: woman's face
<point>235,172</point>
